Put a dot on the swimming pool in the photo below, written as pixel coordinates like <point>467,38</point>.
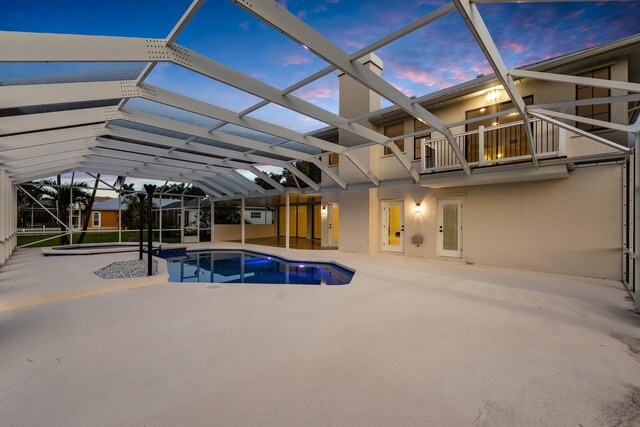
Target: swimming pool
<point>238,266</point>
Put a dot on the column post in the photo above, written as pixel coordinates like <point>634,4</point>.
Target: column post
<point>242,220</point>
<point>141,197</point>
<point>213,219</point>
<point>287,219</point>
<point>480,145</point>
<point>636,229</point>
<point>150,189</point>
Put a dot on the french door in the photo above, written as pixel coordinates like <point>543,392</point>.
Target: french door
<point>393,226</point>
<point>450,228</point>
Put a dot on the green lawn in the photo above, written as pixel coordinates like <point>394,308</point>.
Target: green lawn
<point>105,237</point>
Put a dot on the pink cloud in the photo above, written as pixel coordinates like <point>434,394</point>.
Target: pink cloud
<point>316,93</point>
<point>417,77</point>
<point>514,47</point>
<point>402,89</point>
<point>353,43</point>
<point>574,15</point>
<point>295,59</point>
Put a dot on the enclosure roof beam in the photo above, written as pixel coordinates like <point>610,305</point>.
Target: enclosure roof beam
<point>223,186</point>
<point>590,101</point>
<point>41,47</point>
<point>472,18</point>
<point>246,181</point>
<point>266,178</point>
<point>597,123</point>
<point>390,38</point>
<point>280,18</point>
<point>576,80</point>
<point>581,132</point>
<point>42,173</point>
<point>56,93</point>
<point>208,189</point>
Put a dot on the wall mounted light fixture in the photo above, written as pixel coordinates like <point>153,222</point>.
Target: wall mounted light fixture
<point>323,210</point>
<point>417,209</point>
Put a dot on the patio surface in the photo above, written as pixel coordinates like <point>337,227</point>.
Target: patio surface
<point>408,342</point>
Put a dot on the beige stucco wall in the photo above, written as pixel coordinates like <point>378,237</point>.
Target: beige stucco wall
<point>227,232</point>
<point>569,226</point>
<point>388,167</point>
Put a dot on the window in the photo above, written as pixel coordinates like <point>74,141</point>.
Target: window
<point>418,126</point>
<point>256,215</point>
<point>393,131</point>
<point>596,112</point>
<point>96,219</point>
<point>334,159</point>
<point>505,142</point>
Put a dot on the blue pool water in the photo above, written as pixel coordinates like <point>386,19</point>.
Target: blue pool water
<point>223,266</point>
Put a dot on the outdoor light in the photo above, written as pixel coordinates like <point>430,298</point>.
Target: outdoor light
<point>417,209</point>
<point>323,210</point>
<point>493,94</point>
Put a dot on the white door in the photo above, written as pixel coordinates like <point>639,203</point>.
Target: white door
<point>191,226</point>
<point>450,228</point>
<point>393,226</point>
<point>333,215</point>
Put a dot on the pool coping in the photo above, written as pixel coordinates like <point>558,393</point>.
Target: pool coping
<point>308,261</point>
<point>107,248</point>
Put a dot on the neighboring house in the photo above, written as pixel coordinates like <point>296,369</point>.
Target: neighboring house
<point>104,215</point>
<point>258,215</point>
<point>563,216</point>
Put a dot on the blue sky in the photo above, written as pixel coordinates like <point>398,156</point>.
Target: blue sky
<point>437,56</point>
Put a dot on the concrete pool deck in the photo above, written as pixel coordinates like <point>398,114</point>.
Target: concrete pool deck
<point>408,342</point>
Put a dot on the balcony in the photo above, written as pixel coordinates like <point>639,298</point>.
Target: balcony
<point>494,145</point>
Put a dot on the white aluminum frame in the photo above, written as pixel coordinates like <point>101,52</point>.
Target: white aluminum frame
<point>38,145</point>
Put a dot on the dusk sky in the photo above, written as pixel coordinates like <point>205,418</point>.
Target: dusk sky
<point>439,55</point>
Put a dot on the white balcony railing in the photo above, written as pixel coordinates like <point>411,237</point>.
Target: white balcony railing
<point>493,145</point>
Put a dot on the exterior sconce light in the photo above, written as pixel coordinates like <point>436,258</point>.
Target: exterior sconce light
<point>323,210</point>
<point>417,209</point>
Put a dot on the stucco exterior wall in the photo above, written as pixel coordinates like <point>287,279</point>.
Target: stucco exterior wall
<point>543,92</point>
<point>569,226</point>
<point>227,232</point>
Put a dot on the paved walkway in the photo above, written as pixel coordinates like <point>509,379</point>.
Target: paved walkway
<point>408,342</point>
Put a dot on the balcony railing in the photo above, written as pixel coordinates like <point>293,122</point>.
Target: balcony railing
<point>493,145</point>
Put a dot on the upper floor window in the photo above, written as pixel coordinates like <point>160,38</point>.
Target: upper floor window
<point>419,125</point>
<point>596,112</point>
<point>334,159</point>
<point>510,141</point>
<point>393,131</point>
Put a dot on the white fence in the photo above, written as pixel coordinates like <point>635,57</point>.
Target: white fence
<point>37,231</point>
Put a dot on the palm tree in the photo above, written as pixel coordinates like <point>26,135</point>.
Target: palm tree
<point>60,193</point>
<point>287,179</point>
<point>85,222</point>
